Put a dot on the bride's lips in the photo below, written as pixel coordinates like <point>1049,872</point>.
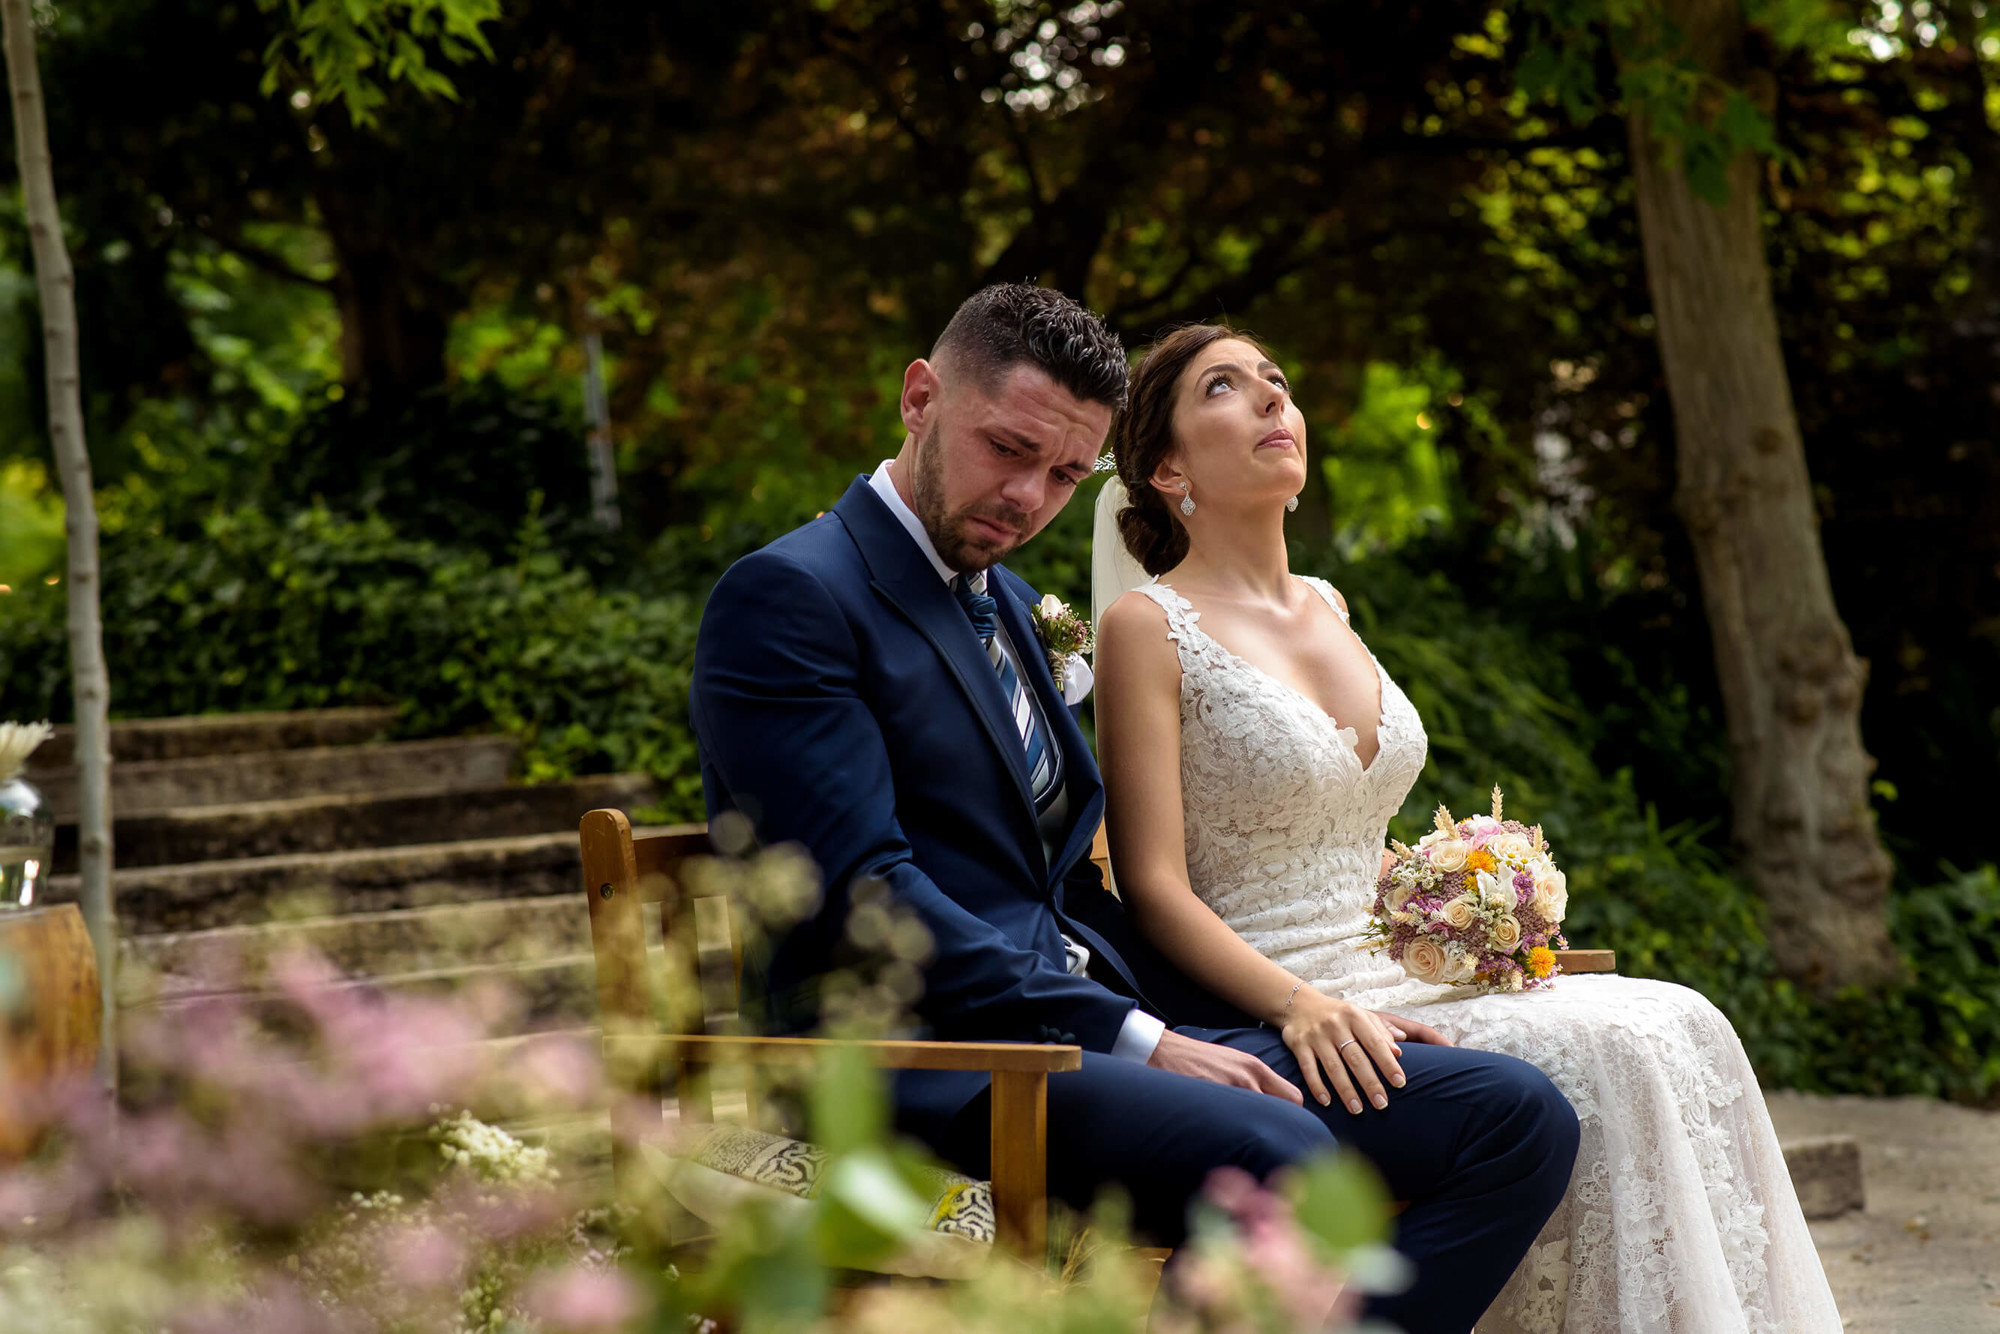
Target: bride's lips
<point>1278,439</point>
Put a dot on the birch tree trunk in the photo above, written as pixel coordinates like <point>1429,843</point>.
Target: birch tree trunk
<point>1791,683</point>
<point>89,681</point>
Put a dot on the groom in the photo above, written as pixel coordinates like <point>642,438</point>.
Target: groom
<point>870,686</point>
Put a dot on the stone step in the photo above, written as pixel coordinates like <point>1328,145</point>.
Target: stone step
<point>550,993</point>
<point>138,739</point>
<point>199,896</point>
<point>140,787</point>
<point>1826,1172</point>
<point>409,940</point>
<point>358,820</point>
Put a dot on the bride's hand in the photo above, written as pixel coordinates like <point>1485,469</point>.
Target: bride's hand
<point>1355,1048</point>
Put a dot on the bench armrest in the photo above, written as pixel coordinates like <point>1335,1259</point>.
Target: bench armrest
<point>1588,961</point>
<point>888,1054</point>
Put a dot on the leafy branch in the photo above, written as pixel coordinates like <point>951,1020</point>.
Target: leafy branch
<point>350,50</point>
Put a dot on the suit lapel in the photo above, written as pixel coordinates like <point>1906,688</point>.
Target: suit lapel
<point>902,577</point>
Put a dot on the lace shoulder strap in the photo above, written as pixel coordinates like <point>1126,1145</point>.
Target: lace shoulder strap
<point>1181,614</point>
<point>1325,590</point>
<point>1197,651</point>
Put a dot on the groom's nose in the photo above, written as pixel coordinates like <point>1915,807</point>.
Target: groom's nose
<point>1026,489</point>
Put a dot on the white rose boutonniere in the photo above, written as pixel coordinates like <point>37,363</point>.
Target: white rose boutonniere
<point>1065,637</point>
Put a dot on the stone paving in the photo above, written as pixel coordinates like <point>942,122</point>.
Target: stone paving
<point>1924,1256</point>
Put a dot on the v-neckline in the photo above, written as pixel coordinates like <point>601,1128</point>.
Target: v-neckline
<point>1381,677</point>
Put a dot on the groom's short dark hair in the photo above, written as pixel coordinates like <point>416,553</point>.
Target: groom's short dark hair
<point>1004,325</point>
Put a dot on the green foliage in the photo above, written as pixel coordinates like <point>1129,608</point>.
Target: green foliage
<point>464,466</point>
<point>1387,479</point>
<point>314,610</point>
<point>1501,705</point>
<point>31,523</point>
<point>1685,107</point>
<point>348,49</point>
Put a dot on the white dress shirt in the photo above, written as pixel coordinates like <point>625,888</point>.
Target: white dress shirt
<point>1141,1032</point>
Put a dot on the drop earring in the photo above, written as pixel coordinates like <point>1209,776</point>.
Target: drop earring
<point>1291,504</point>
<point>1187,501</point>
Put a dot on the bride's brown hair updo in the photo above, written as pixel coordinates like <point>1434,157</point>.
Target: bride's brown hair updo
<point>1152,532</point>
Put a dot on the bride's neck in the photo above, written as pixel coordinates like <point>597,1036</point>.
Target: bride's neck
<point>1239,556</point>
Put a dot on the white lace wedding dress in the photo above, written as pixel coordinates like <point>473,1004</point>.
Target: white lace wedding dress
<point>1680,1217</point>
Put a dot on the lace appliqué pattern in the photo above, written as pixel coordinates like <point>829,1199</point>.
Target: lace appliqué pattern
<point>1681,1218</point>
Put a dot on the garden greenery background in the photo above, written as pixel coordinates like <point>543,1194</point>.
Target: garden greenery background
<point>334,374</point>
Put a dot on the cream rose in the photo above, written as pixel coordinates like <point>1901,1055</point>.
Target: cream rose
<point>1551,898</point>
<point>1507,934</point>
<point>1397,896</point>
<point>1511,847</point>
<point>1460,913</point>
<point>1425,960</point>
<point>1450,856</point>
<point>1052,605</point>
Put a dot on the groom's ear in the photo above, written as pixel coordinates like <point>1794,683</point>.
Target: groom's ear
<point>921,389</point>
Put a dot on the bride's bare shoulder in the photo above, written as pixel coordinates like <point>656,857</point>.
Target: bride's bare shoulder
<point>1132,616</point>
<point>1132,636</point>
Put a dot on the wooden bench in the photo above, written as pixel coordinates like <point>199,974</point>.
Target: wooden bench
<point>623,876</point>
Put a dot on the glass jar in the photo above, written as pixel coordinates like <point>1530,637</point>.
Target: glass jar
<point>27,843</point>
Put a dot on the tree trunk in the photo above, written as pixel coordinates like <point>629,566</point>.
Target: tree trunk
<point>387,340</point>
<point>1791,684</point>
<point>90,683</point>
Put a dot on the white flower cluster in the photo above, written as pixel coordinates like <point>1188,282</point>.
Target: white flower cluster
<point>490,1153</point>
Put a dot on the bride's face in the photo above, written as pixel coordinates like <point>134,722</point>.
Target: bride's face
<point>1241,441</point>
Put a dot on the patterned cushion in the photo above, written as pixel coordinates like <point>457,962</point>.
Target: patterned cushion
<point>959,1206</point>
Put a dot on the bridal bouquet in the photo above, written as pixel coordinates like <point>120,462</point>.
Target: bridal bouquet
<point>1477,902</point>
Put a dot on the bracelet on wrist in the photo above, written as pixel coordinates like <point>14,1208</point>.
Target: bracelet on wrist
<point>1289,998</point>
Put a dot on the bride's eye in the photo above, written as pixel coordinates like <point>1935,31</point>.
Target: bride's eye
<point>1281,382</point>
<point>1219,378</point>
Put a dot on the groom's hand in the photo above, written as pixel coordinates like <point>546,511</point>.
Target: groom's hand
<point>1221,1065</point>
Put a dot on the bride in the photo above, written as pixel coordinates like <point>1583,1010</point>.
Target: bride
<point>1253,753</point>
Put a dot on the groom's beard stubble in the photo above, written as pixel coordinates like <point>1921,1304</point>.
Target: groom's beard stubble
<point>956,546</point>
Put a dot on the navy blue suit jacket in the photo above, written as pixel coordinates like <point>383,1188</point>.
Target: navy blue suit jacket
<point>843,702</point>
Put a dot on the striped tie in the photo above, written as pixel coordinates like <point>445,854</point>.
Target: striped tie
<point>1044,760</point>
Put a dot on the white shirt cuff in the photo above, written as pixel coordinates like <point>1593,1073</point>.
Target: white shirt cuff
<point>1137,1039</point>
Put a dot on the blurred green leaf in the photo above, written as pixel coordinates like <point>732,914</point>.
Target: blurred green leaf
<point>1340,1199</point>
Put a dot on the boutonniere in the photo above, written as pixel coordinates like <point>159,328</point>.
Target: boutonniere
<point>1065,635</point>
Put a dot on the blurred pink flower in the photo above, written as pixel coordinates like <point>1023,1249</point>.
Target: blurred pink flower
<point>423,1256</point>
<point>563,1069</point>
<point>575,1300</point>
<point>1274,1247</point>
<point>1230,1189</point>
<point>275,1306</point>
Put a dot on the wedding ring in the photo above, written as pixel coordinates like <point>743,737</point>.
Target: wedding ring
<point>1343,1046</point>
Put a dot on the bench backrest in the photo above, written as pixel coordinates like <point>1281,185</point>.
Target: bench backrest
<point>624,876</point>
